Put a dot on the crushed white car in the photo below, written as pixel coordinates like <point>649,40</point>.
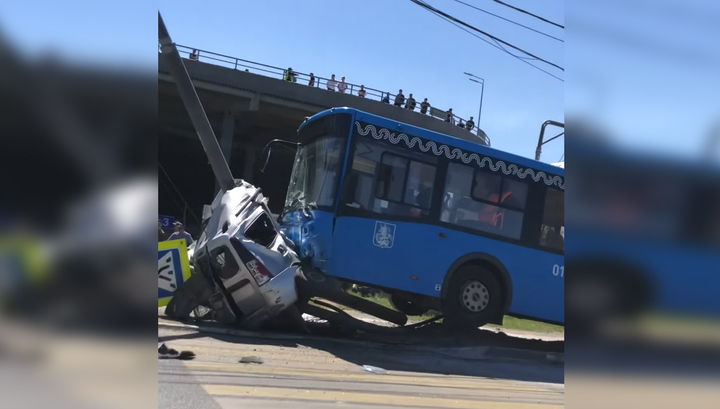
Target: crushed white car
<point>244,269</point>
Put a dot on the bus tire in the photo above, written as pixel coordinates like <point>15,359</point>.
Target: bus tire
<point>473,299</point>
<point>407,306</point>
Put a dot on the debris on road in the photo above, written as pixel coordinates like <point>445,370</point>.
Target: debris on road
<point>169,353</point>
<point>251,360</point>
<point>375,369</point>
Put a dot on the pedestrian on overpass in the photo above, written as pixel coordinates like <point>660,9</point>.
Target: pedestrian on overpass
<point>386,98</point>
<point>424,106</point>
<point>331,83</point>
<point>450,117</point>
<point>361,93</point>
<point>399,99</point>
<point>470,124</point>
<point>410,103</point>
<point>311,83</point>
<point>290,75</point>
<point>342,85</point>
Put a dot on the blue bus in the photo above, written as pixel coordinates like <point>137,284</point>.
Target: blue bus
<point>434,221</point>
<point>645,236</point>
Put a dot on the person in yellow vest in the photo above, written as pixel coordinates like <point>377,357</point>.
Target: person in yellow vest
<point>290,75</point>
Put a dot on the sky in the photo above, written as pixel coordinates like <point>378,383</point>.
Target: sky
<point>643,71</point>
<point>383,44</point>
<point>649,77</point>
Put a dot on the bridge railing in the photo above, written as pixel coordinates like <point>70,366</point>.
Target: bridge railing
<point>304,78</point>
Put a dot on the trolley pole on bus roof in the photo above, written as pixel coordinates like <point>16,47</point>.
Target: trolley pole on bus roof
<point>541,139</point>
<point>475,78</point>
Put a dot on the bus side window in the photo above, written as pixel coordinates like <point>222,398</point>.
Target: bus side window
<point>359,187</point>
<point>552,233</point>
<point>390,181</point>
<point>484,201</point>
<point>392,177</point>
<point>404,186</point>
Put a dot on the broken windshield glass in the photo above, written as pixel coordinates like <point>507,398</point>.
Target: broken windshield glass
<point>316,174</point>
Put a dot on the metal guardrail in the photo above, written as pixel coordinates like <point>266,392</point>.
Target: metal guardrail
<point>319,82</point>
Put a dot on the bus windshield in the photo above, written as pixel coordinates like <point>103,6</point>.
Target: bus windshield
<point>318,165</point>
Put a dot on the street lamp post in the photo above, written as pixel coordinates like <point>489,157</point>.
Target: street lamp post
<point>475,78</point>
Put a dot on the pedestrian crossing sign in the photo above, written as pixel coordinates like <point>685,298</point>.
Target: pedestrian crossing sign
<point>173,268</point>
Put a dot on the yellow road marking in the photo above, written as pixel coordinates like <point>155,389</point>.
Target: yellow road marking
<point>367,377</point>
<point>367,398</point>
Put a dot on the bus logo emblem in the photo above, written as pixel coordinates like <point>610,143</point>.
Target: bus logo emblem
<point>384,236</point>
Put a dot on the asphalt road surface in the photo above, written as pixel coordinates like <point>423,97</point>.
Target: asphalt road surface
<point>317,372</point>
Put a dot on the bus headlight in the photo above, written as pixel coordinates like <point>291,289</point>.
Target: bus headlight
<point>306,251</point>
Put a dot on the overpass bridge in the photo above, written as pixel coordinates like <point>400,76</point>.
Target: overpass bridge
<point>247,109</point>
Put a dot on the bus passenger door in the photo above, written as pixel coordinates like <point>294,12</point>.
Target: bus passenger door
<point>382,235</point>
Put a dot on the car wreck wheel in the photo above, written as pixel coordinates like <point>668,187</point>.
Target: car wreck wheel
<point>202,312</point>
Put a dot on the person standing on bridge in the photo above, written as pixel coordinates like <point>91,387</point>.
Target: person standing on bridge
<point>470,124</point>
<point>311,83</point>
<point>290,75</point>
<point>450,117</point>
<point>424,107</point>
<point>361,93</point>
<point>399,99</point>
<point>410,103</point>
<point>386,98</point>
<point>331,83</point>
<point>342,85</point>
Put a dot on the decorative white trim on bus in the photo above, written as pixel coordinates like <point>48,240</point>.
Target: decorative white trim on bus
<point>456,153</point>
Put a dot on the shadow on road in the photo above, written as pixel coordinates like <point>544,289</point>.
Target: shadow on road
<point>432,349</point>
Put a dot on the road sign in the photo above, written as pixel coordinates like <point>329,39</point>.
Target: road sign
<point>167,222</point>
<point>173,268</point>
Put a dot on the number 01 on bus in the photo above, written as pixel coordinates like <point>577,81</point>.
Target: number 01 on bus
<point>434,221</point>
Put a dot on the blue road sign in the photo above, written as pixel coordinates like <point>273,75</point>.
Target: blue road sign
<point>173,268</point>
<point>167,222</point>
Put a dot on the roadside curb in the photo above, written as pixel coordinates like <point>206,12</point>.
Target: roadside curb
<point>477,353</point>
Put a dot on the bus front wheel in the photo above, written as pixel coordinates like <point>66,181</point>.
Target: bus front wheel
<point>473,299</point>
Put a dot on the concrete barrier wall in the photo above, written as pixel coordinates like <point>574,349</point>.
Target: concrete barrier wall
<point>312,97</point>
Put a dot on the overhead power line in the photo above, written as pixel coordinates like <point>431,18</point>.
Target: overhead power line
<point>429,7</point>
<point>529,13</point>
<point>178,193</point>
<point>498,46</point>
<point>510,21</point>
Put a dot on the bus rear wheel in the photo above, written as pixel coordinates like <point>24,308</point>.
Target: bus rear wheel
<point>473,299</point>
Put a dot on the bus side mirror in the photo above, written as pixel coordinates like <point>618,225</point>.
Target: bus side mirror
<point>267,159</point>
<point>265,156</point>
